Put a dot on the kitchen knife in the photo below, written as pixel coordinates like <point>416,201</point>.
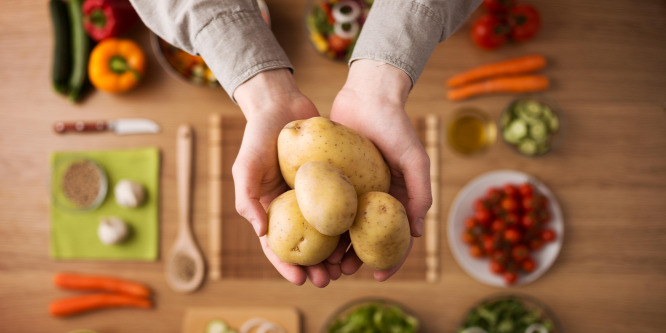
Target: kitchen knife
<point>119,126</point>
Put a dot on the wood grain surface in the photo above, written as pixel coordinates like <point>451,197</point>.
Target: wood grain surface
<point>607,65</point>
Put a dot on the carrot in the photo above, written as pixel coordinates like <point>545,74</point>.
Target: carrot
<point>507,67</point>
<point>514,84</point>
<point>84,303</point>
<point>71,281</point>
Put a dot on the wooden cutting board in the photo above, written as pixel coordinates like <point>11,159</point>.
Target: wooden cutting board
<point>196,319</point>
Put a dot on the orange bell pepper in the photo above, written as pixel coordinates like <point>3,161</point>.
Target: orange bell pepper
<point>116,65</point>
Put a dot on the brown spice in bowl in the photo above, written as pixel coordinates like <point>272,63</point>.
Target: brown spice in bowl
<point>81,183</point>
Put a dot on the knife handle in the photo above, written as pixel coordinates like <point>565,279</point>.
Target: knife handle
<point>80,126</point>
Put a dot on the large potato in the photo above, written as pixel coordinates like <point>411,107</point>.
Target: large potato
<point>326,197</point>
<point>380,233</point>
<point>292,238</point>
<point>319,139</point>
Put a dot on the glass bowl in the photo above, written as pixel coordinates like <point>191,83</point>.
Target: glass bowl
<point>470,131</point>
<point>532,125</point>
<point>78,172</point>
<point>534,311</point>
<point>333,26</point>
<point>377,310</point>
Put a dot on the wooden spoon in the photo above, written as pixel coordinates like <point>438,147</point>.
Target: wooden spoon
<point>185,265</point>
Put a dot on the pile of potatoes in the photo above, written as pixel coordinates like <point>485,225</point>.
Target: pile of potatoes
<point>340,183</point>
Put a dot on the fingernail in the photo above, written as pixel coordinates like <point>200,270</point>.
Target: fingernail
<point>419,227</point>
<point>255,226</point>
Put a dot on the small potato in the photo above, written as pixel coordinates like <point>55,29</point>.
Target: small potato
<point>319,139</point>
<point>380,233</point>
<point>292,238</point>
<point>326,197</point>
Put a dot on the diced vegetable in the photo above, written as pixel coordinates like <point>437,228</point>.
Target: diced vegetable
<point>376,318</point>
<point>508,315</point>
<point>529,125</point>
<point>218,326</point>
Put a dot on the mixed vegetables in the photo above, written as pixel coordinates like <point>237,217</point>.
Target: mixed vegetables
<point>334,26</point>
<point>506,315</point>
<point>530,126</point>
<point>375,317</point>
<point>191,67</point>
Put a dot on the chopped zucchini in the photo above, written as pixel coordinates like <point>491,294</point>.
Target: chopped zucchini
<point>516,130</point>
<point>528,125</point>
<point>527,147</point>
<point>539,132</point>
<point>218,326</point>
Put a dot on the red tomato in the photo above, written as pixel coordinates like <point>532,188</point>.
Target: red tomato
<point>468,238</point>
<point>510,277</point>
<point>480,204</point>
<point>499,256</point>
<point>544,216</point>
<point>488,243</point>
<point>526,189</point>
<point>528,204</point>
<point>509,204</point>
<point>511,219</point>
<point>483,216</point>
<point>338,44</point>
<point>510,190</point>
<point>496,267</point>
<point>493,195</point>
<point>512,235</point>
<point>535,244</point>
<point>497,226</point>
<point>525,22</point>
<point>548,235</point>
<point>527,221</point>
<point>489,32</point>
<point>475,251</point>
<point>498,6</point>
<point>470,223</point>
<point>528,265</point>
<point>520,252</point>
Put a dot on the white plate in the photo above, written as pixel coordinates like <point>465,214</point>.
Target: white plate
<point>463,207</point>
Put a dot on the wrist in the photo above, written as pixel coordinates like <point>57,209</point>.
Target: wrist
<point>263,91</point>
<point>380,79</point>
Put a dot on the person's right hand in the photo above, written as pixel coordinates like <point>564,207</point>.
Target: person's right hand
<point>269,101</point>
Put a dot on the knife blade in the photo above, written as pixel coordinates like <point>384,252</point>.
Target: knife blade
<point>119,126</point>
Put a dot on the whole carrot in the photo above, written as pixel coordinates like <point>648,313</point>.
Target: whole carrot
<point>84,303</point>
<point>515,84</point>
<point>508,67</point>
<point>71,281</point>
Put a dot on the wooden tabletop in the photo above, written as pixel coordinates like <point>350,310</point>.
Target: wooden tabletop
<point>608,67</point>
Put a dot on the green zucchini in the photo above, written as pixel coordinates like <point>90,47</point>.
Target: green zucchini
<point>62,61</point>
<point>80,49</point>
<point>218,326</point>
<point>529,125</point>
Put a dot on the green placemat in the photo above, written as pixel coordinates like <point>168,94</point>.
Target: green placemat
<point>74,233</point>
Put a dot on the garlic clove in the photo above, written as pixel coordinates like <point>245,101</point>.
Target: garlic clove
<point>112,230</point>
<point>129,194</point>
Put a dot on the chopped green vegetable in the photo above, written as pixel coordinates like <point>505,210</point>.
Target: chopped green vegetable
<point>376,318</point>
<point>529,125</point>
<point>218,326</point>
<point>508,315</point>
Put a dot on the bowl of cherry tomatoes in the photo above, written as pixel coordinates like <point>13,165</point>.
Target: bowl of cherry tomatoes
<point>505,228</point>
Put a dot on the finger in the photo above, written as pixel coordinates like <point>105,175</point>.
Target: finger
<point>293,273</point>
<point>247,187</point>
<point>334,270</point>
<point>350,263</point>
<point>417,181</point>
<point>318,275</point>
<point>340,250</point>
<point>384,275</point>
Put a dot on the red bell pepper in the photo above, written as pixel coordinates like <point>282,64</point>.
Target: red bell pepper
<point>107,18</point>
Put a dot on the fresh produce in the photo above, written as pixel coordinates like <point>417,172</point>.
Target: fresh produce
<point>489,32</point>
<point>62,59</point>
<point>319,139</point>
<point>505,21</point>
<point>129,194</point>
<point>376,317</point>
<point>513,84</point>
<point>530,126</point>
<point>334,26</point>
<point>218,326</point>
<point>507,315</point>
<point>104,19</point>
<point>498,6</point>
<point>84,303</point>
<point>512,66</point>
<point>80,49</point>
<point>112,230</point>
<point>380,233</point>
<point>191,67</point>
<point>81,282</point>
<point>292,238</point>
<point>507,226</point>
<point>326,197</point>
<point>116,65</point>
<point>524,21</point>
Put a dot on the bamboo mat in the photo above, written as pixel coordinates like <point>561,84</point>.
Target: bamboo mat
<point>242,257</point>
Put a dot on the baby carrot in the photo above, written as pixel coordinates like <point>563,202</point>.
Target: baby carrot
<point>515,84</point>
<point>84,303</point>
<point>508,67</point>
<point>71,281</point>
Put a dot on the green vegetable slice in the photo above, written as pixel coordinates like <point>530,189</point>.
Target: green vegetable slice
<point>516,130</point>
<point>539,132</point>
<point>218,326</point>
<point>528,147</point>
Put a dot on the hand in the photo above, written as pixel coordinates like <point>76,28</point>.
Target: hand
<point>372,102</point>
<point>269,101</point>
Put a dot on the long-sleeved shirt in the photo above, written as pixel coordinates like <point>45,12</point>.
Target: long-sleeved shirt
<point>236,43</point>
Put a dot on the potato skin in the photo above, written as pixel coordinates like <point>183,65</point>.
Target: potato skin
<point>292,238</point>
<point>326,197</point>
<point>320,139</point>
<point>380,233</point>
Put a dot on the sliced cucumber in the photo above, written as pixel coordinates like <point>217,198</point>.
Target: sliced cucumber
<point>218,326</point>
<point>516,130</point>
<point>539,132</point>
<point>529,125</point>
<point>527,147</point>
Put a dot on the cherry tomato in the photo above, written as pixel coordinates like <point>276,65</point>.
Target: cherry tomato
<point>528,265</point>
<point>548,235</point>
<point>535,244</point>
<point>544,216</point>
<point>528,221</point>
<point>520,252</point>
<point>488,242</point>
<point>470,223</point>
<point>468,238</point>
<point>498,6</point>
<point>511,219</point>
<point>510,190</point>
<point>510,277</point>
<point>475,251</point>
<point>509,204</point>
<point>483,216</point>
<point>480,204</point>
<point>525,22</point>
<point>497,226</point>
<point>499,256</point>
<point>489,32</point>
<point>493,195</point>
<point>526,189</point>
<point>528,204</point>
<point>512,235</point>
<point>496,267</point>
<point>338,44</point>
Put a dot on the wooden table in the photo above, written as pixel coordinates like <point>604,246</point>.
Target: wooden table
<point>608,65</point>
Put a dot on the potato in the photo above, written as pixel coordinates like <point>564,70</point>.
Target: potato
<point>292,238</point>
<point>326,197</point>
<point>319,139</point>
<point>380,233</point>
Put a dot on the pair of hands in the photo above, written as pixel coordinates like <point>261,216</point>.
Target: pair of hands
<point>372,103</point>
